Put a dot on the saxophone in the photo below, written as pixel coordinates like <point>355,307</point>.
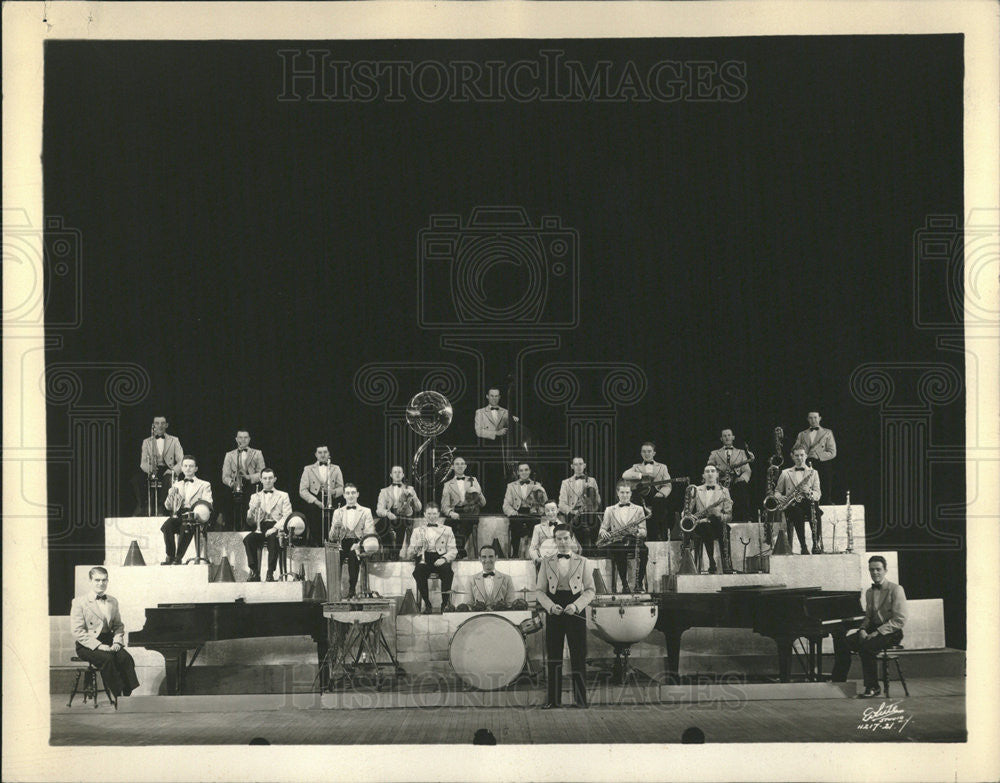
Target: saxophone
<point>850,526</point>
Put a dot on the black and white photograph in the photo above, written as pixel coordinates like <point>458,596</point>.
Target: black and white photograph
<point>592,379</point>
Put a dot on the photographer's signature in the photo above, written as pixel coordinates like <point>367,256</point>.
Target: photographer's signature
<point>885,717</point>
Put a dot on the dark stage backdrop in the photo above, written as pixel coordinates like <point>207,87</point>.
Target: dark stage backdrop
<point>252,244</point>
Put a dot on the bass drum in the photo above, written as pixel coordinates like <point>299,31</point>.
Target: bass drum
<point>487,652</point>
<point>494,527</point>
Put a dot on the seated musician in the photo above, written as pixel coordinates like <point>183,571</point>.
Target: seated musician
<point>713,503</point>
<point>655,471</point>
<point>564,587</point>
<point>96,624</point>
<point>626,522</point>
<point>351,523</point>
<point>520,498</point>
<point>268,509</point>
<point>433,550</point>
<point>579,494</point>
<point>461,500</point>
<point>545,531</point>
<point>731,461</point>
<point>885,615</point>
<point>805,482</point>
<point>491,588</point>
<point>181,498</point>
<point>393,501</point>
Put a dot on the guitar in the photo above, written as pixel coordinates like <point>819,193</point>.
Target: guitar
<point>643,487</point>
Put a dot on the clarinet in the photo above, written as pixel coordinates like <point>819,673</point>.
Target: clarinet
<point>850,526</point>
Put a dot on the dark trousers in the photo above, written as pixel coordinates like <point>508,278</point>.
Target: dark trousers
<point>867,650</point>
<point>386,539</point>
<point>521,525</point>
<point>422,571</point>
<point>462,528</point>
<point>827,479</point>
<point>140,488</point>
<point>795,519</point>
<point>658,524</point>
<point>172,527</point>
<point>573,629</point>
<point>315,534</point>
<point>254,545</point>
<point>234,509</point>
<point>739,491</point>
<point>353,562</point>
<point>707,533</point>
<point>621,554</point>
<point>117,669</point>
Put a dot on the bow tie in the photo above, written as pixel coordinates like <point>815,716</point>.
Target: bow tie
<point>650,462</point>
<point>351,507</point>
<point>101,597</point>
<point>876,586</point>
<point>709,488</point>
<point>799,468</point>
<point>624,505</point>
<point>268,491</point>
<point>159,437</point>
<point>487,573</point>
<point>191,480</point>
<point>813,429</point>
<point>397,483</point>
<point>494,408</point>
<point>463,478</point>
<point>580,478</point>
<point>241,449</point>
<point>324,464</point>
<point>432,524</point>
<point>524,481</point>
<point>563,556</point>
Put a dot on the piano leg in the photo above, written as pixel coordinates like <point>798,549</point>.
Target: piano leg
<point>784,644</point>
<point>175,660</point>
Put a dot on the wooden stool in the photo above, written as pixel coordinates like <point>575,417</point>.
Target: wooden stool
<point>90,675</point>
<point>886,655</point>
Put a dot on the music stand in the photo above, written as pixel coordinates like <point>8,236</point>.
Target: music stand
<point>285,558</point>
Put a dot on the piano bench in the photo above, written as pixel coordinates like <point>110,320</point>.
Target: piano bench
<point>90,675</point>
<point>884,657</point>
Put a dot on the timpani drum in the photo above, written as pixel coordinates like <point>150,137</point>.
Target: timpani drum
<point>488,652</point>
<point>622,619</point>
<point>494,527</point>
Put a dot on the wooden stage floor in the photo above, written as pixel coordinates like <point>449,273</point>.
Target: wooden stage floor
<point>935,713</point>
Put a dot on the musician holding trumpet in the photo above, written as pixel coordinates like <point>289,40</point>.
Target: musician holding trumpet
<point>624,525</point>
<point>241,469</point>
<point>433,550</point>
<point>180,501</point>
<point>796,491</point>
<point>351,523</point>
<point>268,510</point>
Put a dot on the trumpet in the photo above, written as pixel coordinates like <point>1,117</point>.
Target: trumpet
<point>798,493</point>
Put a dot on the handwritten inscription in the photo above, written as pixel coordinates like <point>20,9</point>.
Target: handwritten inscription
<point>885,717</point>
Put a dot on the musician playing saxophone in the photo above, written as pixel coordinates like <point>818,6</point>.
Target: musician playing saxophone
<point>804,482</point>
<point>625,516</point>
<point>714,503</point>
<point>734,463</point>
<point>519,502</point>
<point>657,500</point>
<point>393,501</point>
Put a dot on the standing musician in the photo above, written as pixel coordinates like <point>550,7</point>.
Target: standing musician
<point>806,481</point>
<point>433,550</point>
<point>240,472</point>
<point>161,455</point>
<point>564,587</point>
<point>733,462</point>
<point>492,588</point>
<point>97,627</point>
<point>268,510</point>
<point>461,500</point>
<point>523,503</point>
<point>622,516</point>
<point>545,531</point>
<point>714,498</point>
<point>351,523</point>
<point>573,494</point>
<point>393,501</point>
<point>181,498</point>
<point>885,616</point>
<point>821,449</point>
<point>492,423</point>
<point>655,472</point>
<point>321,485</point>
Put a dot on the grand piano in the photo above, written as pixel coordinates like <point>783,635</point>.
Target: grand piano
<point>782,613</point>
<point>175,629</point>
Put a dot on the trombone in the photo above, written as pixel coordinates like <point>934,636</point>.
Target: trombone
<point>153,482</point>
